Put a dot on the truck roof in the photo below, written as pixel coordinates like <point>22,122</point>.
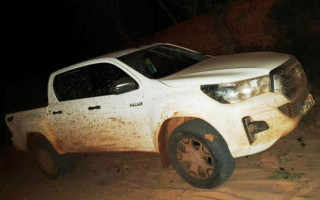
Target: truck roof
<point>127,51</point>
<point>111,55</point>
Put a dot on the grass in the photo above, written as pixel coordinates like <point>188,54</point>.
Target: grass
<point>284,174</point>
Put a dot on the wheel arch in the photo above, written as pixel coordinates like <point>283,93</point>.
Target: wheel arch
<point>33,139</point>
<point>167,127</point>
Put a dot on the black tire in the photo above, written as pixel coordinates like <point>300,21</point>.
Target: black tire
<point>212,143</point>
<point>48,158</point>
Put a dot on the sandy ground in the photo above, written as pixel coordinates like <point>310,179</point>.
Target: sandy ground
<point>288,170</point>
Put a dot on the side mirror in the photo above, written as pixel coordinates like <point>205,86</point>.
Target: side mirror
<point>123,85</point>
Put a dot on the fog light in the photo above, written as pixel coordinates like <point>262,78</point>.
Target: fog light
<point>253,127</point>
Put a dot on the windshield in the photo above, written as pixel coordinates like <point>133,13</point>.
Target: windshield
<point>160,61</point>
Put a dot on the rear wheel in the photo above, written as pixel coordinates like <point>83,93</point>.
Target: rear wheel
<point>50,162</point>
<point>200,155</point>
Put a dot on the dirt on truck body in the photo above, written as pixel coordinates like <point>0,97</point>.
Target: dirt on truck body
<point>198,112</point>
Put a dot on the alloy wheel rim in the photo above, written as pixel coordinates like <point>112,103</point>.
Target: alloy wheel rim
<point>195,159</point>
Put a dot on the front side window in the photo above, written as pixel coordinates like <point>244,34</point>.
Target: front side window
<point>162,60</point>
<point>89,81</point>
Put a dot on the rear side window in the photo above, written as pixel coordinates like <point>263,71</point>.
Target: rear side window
<point>88,81</point>
<point>73,84</point>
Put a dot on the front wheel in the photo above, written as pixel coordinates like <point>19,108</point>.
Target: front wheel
<point>200,155</point>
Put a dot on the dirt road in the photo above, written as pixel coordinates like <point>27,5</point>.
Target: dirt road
<point>288,170</point>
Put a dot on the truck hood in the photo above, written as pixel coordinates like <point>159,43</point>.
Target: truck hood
<point>227,68</point>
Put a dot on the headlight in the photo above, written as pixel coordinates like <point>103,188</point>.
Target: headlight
<point>237,91</point>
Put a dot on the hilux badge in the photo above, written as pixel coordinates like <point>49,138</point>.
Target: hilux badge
<point>136,104</point>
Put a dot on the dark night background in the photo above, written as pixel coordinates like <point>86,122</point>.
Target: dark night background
<point>43,36</point>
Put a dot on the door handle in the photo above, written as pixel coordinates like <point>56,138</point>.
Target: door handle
<point>57,112</point>
<point>94,107</point>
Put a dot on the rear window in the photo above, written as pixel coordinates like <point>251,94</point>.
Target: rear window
<point>88,81</point>
<point>160,61</point>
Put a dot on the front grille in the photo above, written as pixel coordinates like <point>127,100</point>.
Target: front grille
<point>293,108</point>
<point>289,79</point>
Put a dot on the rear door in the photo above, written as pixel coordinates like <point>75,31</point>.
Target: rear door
<point>90,116</point>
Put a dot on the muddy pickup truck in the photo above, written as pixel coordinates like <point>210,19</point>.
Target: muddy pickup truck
<point>198,112</point>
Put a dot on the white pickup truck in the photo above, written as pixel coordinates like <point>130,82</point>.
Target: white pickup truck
<point>198,112</point>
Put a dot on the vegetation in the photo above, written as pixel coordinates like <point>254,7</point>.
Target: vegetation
<point>284,174</point>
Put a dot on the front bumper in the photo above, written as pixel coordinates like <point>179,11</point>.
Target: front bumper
<point>298,106</point>
<point>261,108</point>
<point>281,110</point>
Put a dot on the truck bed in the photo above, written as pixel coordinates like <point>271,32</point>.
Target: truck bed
<point>23,123</point>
